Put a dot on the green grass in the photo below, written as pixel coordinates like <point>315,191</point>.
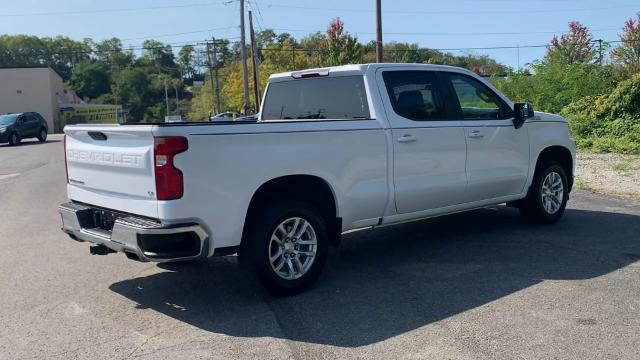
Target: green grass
<point>609,144</point>
<point>580,184</point>
<point>627,165</point>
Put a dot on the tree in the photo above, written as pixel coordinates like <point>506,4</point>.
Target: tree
<point>160,56</point>
<point>575,47</point>
<point>90,80</point>
<point>627,54</point>
<point>132,90</point>
<point>110,52</point>
<point>339,48</point>
<point>60,53</point>
<point>186,61</point>
<point>398,52</point>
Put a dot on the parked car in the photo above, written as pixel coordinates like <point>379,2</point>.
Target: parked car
<point>15,127</point>
<point>333,150</point>
<point>225,116</point>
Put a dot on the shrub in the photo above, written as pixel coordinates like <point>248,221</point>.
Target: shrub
<point>608,123</point>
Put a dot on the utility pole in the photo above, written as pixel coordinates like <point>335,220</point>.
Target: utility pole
<point>166,94</point>
<point>293,55</point>
<point>379,57</point>
<point>600,51</point>
<point>212,56</point>
<point>211,80</point>
<point>217,91</point>
<point>243,55</point>
<point>254,62</point>
<point>177,101</point>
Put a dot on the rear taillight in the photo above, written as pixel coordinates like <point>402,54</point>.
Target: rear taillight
<point>169,183</point>
<point>66,167</point>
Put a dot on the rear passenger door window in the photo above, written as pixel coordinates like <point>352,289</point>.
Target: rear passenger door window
<point>477,101</point>
<point>31,124</point>
<point>415,95</point>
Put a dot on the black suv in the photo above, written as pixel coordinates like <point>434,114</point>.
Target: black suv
<point>15,127</point>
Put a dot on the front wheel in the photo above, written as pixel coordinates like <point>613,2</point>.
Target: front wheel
<point>14,139</point>
<point>286,246</point>
<point>548,195</point>
<point>42,136</point>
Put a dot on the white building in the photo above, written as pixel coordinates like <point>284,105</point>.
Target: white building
<point>38,89</point>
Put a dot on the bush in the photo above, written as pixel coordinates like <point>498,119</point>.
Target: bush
<point>556,85</point>
<point>608,123</point>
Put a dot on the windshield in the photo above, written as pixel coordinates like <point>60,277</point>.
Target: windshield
<point>8,119</point>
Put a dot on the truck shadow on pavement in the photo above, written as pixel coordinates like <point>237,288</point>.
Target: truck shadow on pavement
<point>386,282</point>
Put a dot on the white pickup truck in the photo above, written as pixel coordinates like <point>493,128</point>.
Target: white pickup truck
<point>332,150</point>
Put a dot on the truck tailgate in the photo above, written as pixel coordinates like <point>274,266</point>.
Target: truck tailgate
<point>112,167</point>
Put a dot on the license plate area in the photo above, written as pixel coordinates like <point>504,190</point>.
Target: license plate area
<point>104,219</point>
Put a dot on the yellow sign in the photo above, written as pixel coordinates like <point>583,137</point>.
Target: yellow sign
<point>89,114</point>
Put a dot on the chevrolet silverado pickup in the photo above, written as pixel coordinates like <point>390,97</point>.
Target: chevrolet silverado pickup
<point>331,150</point>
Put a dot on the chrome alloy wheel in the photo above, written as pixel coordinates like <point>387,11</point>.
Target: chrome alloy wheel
<point>292,248</point>
<point>552,193</point>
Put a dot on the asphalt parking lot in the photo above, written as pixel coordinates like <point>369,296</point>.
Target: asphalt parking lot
<point>480,285</point>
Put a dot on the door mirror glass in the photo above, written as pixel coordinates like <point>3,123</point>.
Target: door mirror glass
<point>522,112</point>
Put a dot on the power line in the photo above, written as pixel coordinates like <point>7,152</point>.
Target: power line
<point>451,49</point>
<point>97,11</point>
<point>181,33</point>
<point>96,51</point>
<point>450,12</point>
<point>256,9</point>
<point>452,34</point>
<point>204,42</point>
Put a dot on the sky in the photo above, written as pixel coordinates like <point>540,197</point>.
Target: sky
<point>451,24</point>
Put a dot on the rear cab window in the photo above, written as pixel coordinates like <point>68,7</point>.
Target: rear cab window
<point>320,98</point>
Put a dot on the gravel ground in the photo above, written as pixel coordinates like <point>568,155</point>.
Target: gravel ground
<point>614,174</point>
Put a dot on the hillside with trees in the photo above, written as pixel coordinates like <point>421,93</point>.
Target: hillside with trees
<point>593,83</point>
<point>599,95</point>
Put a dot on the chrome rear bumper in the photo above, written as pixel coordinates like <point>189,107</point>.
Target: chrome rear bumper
<point>144,239</point>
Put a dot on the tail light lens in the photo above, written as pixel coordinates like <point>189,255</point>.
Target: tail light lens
<point>169,182</point>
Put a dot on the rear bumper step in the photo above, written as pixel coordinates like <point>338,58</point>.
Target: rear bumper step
<point>144,239</point>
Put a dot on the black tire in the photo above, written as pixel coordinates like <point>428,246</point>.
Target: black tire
<point>256,248</point>
<point>533,207</point>
<point>14,139</point>
<point>42,135</point>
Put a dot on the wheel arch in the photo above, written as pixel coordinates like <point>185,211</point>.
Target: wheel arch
<point>310,188</point>
<point>560,154</point>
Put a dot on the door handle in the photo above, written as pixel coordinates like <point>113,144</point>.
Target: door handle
<point>476,134</point>
<point>404,139</point>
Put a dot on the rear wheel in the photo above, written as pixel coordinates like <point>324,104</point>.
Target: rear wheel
<point>548,195</point>
<point>42,136</point>
<point>14,139</point>
<point>286,246</point>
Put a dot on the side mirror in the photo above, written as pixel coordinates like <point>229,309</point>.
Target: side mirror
<point>522,112</point>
